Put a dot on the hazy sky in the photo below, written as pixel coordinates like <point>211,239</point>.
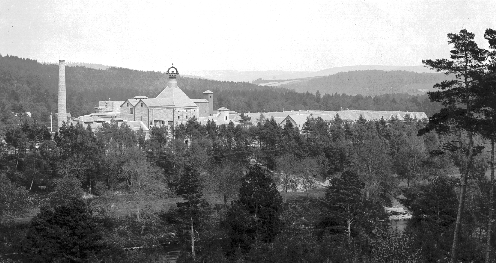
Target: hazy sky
<point>238,35</point>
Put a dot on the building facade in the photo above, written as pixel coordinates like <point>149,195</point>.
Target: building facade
<point>171,107</point>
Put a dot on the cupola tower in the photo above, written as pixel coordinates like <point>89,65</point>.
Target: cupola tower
<point>172,73</point>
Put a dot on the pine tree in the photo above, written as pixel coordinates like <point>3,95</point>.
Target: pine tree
<point>192,210</point>
<point>346,210</point>
<point>256,215</point>
<point>486,106</point>
<point>457,96</point>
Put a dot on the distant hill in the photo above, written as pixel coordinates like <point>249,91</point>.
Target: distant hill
<point>87,65</point>
<point>270,75</point>
<point>367,82</point>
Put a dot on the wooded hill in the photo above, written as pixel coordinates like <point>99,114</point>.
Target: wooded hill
<point>366,82</point>
<point>29,86</point>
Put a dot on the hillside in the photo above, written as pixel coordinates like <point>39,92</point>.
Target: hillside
<point>367,82</point>
<point>270,75</point>
<point>26,85</point>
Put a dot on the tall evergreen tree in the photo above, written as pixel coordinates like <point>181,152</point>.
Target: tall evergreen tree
<point>346,210</point>
<point>191,211</point>
<point>457,96</point>
<point>256,215</point>
<point>487,107</point>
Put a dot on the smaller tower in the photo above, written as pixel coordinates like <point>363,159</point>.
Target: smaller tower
<point>172,73</point>
<point>209,95</point>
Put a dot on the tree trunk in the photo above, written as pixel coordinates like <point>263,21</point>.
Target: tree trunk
<point>349,231</point>
<point>491,206</point>
<point>192,240</point>
<point>461,201</point>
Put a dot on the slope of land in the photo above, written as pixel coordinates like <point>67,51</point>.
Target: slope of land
<point>270,75</point>
<point>367,82</point>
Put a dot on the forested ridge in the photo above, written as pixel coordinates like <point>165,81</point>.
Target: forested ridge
<point>370,82</point>
<point>26,85</point>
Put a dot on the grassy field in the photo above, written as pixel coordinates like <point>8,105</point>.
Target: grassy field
<point>123,205</point>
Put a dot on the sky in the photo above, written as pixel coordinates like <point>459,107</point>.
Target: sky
<point>238,35</point>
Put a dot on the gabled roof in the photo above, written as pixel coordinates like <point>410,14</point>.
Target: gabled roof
<point>132,101</point>
<point>299,119</point>
<point>172,97</point>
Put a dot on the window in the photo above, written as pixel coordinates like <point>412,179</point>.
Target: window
<point>226,118</point>
<point>186,116</point>
<point>178,117</point>
<point>131,111</point>
<point>142,104</point>
<point>128,104</point>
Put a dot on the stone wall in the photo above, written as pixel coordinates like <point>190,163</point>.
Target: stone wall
<point>141,113</point>
<point>160,116</point>
<point>203,109</point>
<point>125,112</point>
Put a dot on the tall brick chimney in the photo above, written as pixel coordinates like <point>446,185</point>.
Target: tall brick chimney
<point>62,109</point>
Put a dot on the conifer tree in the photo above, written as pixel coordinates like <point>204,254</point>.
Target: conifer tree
<point>346,210</point>
<point>192,210</point>
<point>457,96</point>
<point>486,106</point>
<point>256,215</point>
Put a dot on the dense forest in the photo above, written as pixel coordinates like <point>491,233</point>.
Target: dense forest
<point>234,193</point>
<point>26,85</point>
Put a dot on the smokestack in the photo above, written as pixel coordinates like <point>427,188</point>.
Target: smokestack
<point>62,110</point>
